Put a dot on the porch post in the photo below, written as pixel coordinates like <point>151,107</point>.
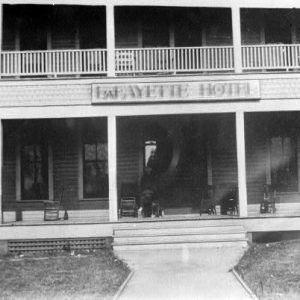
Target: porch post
<point>241,162</point>
<point>236,36</point>
<point>112,167</point>
<point>1,156</point>
<point>110,39</point>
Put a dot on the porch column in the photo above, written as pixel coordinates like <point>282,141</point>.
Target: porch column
<point>241,162</point>
<point>110,39</point>
<point>236,36</point>
<point>112,167</point>
<point>1,156</point>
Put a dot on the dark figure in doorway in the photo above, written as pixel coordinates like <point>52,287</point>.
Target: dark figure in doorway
<point>148,191</point>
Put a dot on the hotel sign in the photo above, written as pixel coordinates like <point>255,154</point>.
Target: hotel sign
<point>176,91</point>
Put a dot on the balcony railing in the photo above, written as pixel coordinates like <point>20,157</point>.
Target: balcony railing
<point>135,61</point>
<point>179,59</point>
<point>270,57</point>
<point>54,62</point>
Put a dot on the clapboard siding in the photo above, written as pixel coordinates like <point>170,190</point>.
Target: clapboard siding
<point>128,153</point>
<point>65,174</point>
<point>9,173</point>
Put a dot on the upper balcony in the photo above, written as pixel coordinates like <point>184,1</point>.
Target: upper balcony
<point>49,41</point>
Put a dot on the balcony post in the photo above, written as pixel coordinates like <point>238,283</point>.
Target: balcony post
<point>236,36</point>
<point>1,163</point>
<point>110,39</point>
<point>241,162</point>
<point>112,168</point>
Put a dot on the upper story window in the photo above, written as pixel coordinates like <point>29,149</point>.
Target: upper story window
<point>284,169</point>
<point>34,172</point>
<point>95,169</point>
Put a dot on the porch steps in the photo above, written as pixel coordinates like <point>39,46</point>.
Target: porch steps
<point>145,236</point>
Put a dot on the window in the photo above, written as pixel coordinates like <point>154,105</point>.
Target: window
<point>95,170</point>
<point>34,172</point>
<point>284,174</point>
<point>150,153</point>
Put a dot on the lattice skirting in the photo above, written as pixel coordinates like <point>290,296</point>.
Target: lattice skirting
<point>58,245</point>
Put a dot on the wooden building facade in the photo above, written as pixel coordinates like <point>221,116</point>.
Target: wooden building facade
<point>88,90</point>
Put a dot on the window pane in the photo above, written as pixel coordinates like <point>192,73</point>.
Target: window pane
<point>284,164</point>
<point>90,152</point>
<point>95,180</point>
<point>29,153</point>
<point>34,173</point>
<point>101,151</point>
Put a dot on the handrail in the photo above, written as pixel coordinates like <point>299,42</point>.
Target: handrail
<point>174,59</point>
<point>53,62</point>
<point>270,57</point>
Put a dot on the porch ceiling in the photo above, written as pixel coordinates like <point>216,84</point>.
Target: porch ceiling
<point>179,3</point>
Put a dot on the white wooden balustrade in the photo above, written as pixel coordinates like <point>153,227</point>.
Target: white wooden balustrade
<point>133,61</point>
<point>175,59</point>
<point>53,62</point>
<point>270,57</point>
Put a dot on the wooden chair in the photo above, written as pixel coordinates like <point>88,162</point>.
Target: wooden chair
<point>207,204</point>
<point>51,210</point>
<point>268,202</point>
<point>229,203</point>
<point>128,201</point>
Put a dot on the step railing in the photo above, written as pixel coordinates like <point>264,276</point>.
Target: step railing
<point>271,57</point>
<point>176,59</point>
<point>53,62</point>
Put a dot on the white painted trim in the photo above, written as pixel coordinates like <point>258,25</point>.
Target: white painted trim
<point>241,163</point>
<point>236,37</point>
<point>112,167</point>
<point>110,40</point>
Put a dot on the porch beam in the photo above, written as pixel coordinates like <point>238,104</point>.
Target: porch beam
<point>236,37</point>
<point>112,167</point>
<point>110,40</point>
<point>1,163</point>
<point>241,163</point>
<point>177,3</point>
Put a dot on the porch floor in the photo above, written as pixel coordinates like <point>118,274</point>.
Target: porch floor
<point>177,217</point>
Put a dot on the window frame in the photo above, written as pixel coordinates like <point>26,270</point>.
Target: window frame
<point>269,166</point>
<point>81,161</point>
<point>19,172</point>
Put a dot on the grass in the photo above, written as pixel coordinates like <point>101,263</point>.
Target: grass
<point>272,271</point>
<point>95,275</point>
